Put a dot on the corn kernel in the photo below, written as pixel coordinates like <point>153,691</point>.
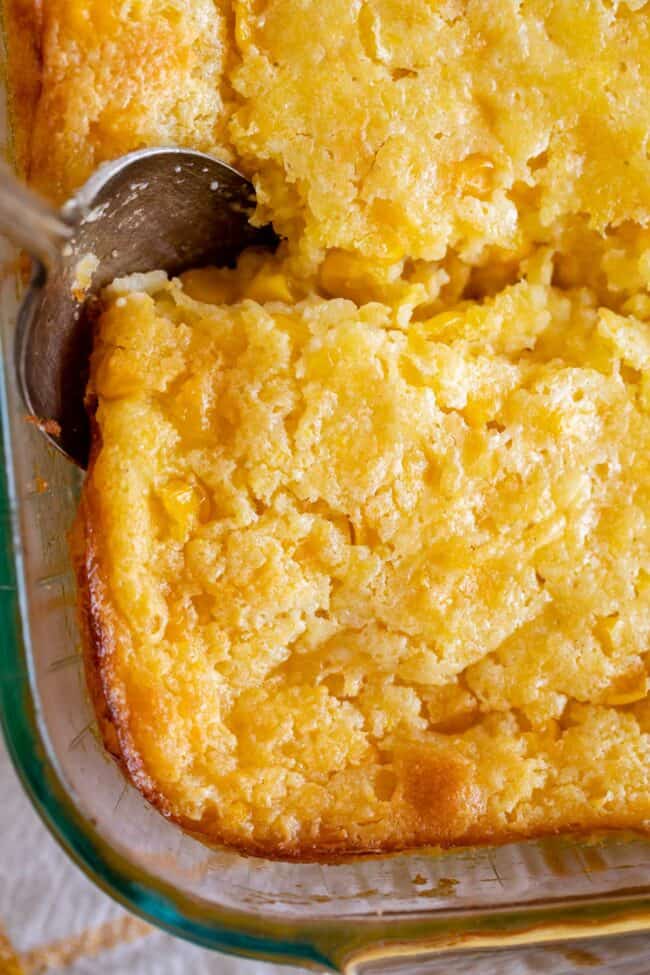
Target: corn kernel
<point>628,689</point>
<point>638,305</point>
<point>269,286</point>
<point>392,222</point>
<point>347,275</point>
<point>185,504</point>
<point>447,325</point>
<point>192,407</point>
<point>88,16</point>
<point>210,285</point>
<point>243,25</point>
<point>474,175</point>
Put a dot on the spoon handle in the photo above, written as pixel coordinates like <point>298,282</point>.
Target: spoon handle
<point>29,221</point>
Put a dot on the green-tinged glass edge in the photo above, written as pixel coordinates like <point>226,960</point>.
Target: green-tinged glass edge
<point>132,887</point>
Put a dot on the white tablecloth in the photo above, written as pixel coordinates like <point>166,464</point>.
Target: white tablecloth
<point>52,919</point>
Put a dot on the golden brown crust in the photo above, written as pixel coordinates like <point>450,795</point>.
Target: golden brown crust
<point>89,82</point>
<point>434,789</point>
<point>23,23</point>
<point>423,776</point>
<point>96,647</point>
<point>436,802</point>
<point>437,791</point>
<point>99,628</point>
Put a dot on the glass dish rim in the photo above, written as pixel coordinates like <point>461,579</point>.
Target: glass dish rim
<point>330,943</point>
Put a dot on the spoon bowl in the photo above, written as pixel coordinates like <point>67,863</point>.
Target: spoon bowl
<point>169,209</point>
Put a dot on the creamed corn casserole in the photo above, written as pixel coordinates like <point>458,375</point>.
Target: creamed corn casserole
<point>364,549</point>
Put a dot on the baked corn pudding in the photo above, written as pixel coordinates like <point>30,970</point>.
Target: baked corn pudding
<point>364,547</point>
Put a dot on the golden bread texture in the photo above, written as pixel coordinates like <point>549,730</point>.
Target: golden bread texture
<point>364,549</point>
<point>116,77</point>
<point>370,586</point>
<point>395,128</point>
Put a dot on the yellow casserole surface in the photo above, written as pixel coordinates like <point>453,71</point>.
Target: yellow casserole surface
<point>381,585</point>
<point>365,543</point>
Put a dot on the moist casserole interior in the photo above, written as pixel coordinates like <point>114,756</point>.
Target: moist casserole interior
<point>363,551</point>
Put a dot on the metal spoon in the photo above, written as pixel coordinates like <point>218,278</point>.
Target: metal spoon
<point>156,208</point>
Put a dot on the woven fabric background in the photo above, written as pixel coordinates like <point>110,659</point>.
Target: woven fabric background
<point>52,919</point>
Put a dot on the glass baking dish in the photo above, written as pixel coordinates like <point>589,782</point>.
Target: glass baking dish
<point>552,906</point>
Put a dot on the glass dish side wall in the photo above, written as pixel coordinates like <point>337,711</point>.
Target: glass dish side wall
<point>321,915</point>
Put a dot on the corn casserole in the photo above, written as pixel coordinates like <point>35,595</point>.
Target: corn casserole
<point>364,547</point>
